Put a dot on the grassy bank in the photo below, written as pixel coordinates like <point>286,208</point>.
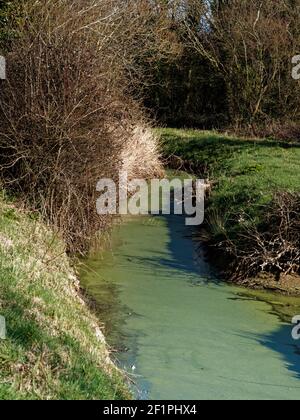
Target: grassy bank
<point>54,348</point>
<point>245,176</point>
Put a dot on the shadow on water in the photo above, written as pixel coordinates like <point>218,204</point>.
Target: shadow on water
<point>185,256</point>
<point>281,341</point>
<point>184,249</point>
<point>189,258</point>
<point>140,262</point>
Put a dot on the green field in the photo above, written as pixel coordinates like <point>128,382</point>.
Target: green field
<point>244,174</point>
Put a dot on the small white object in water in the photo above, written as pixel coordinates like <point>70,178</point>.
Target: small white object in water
<point>133,368</point>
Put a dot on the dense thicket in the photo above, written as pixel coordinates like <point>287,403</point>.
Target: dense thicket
<point>235,68</point>
<point>78,72</point>
<point>67,118</point>
<point>188,93</point>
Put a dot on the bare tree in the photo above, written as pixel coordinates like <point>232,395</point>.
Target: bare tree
<point>251,44</point>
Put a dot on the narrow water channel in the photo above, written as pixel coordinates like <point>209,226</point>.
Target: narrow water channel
<point>180,333</point>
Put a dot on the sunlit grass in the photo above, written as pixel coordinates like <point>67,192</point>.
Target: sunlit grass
<point>245,173</point>
<point>54,349</point>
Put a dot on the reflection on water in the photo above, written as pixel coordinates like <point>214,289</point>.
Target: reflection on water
<point>187,335</point>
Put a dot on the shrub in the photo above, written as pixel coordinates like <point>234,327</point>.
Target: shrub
<point>274,245</point>
<point>66,118</point>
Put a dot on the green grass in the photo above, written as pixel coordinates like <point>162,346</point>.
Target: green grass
<point>245,173</point>
<point>54,349</point>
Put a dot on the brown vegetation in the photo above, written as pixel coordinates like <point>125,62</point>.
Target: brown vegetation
<point>66,114</point>
<point>273,246</point>
<point>236,68</point>
<point>252,44</point>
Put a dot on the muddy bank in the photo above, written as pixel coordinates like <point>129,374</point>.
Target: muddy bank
<point>287,285</point>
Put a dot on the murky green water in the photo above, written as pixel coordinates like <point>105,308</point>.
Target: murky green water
<point>188,336</point>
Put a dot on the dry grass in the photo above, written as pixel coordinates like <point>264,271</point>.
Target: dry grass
<point>141,156</point>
